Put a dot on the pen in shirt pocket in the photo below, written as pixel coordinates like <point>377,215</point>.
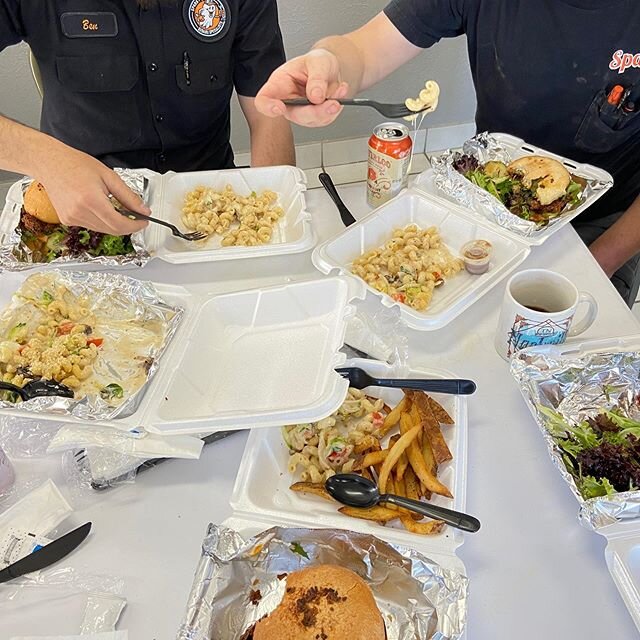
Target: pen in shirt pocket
<point>609,110</point>
<point>186,65</point>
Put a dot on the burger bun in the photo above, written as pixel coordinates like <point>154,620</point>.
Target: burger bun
<point>554,178</point>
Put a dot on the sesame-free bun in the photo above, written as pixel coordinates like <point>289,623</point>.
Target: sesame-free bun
<point>37,204</point>
<point>554,178</point>
<point>325,602</point>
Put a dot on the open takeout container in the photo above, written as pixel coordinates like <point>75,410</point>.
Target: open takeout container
<point>256,358</point>
<point>456,228</point>
<point>483,205</point>
<point>261,496</point>
<point>616,517</point>
<point>165,194</point>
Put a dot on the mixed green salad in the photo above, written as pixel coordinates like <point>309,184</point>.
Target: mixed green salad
<point>601,453</point>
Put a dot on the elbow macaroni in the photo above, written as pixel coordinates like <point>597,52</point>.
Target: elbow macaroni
<point>322,449</point>
<point>409,266</point>
<point>426,102</point>
<point>240,220</point>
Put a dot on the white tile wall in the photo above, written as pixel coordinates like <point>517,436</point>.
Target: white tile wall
<point>440,138</point>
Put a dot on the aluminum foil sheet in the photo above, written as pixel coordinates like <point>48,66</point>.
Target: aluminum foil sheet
<point>486,147</point>
<point>110,295</point>
<point>418,598</point>
<point>16,256</point>
<point>579,387</point>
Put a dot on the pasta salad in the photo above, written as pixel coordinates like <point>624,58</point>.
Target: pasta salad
<point>409,266</point>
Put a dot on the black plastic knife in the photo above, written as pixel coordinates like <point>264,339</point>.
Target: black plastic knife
<point>47,555</point>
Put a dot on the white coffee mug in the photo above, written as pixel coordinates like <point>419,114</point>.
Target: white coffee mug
<point>539,308</point>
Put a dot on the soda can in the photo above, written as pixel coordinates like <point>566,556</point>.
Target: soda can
<point>389,159</point>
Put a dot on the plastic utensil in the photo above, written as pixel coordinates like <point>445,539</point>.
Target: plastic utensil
<point>393,110</point>
<point>133,215</point>
<point>357,491</point>
<point>360,379</point>
<point>345,215</point>
<point>38,389</point>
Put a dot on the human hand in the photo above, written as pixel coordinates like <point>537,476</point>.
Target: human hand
<point>79,187</point>
<point>315,76</point>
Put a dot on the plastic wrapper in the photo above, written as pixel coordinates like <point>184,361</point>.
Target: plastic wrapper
<point>485,147</point>
<point>382,335</point>
<point>15,255</point>
<point>110,295</point>
<point>24,438</point>
<point>417,597</point>
<point>102,613</point>
<point>579,386</point>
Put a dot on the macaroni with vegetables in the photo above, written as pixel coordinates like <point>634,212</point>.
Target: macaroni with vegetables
<point>325,448</point>
<point>240,220</point>
<point>409,266</point>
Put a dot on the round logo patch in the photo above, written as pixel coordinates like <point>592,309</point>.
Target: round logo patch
<point>207,20</point>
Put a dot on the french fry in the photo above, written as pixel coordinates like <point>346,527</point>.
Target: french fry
<point>392,418</point>
<point>420,468</point>
<point>431,429</point>
<point>365,473</point>
<point>406,423</point>
<point>371,460</point>
<point>439,412</point>
<point>416,419</point>
<point>377,514</point>
<point>368,442</point>
<point>316,489</point>
<point>393,457</point>
<point>429,528</point>
<point>393,440</point>
<point>412,489</point>
<point>427,454</point>
<point>402,465</point>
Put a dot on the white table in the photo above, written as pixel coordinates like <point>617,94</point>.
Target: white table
<point>535,572</point>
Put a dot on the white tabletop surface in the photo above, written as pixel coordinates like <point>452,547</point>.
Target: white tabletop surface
<point>534,571</point>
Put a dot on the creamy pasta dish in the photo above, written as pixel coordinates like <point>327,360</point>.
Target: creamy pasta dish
<point>322,449</point>
<point>240,220</point>
<point>426,102</point>
<point>409,266</point>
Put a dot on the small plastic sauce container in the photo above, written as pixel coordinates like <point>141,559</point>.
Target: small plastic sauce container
<point>477,255</point>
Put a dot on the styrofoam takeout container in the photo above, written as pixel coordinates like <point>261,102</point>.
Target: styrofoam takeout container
<point>292,234</point>
<point>255,358</point>
<point>456,229</point>
<point>518,148</point>
<point>261,494</point>
<point>622,553</point>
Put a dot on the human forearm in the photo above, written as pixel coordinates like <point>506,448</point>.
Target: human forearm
<point>620,242</point>
<point>271,139</point>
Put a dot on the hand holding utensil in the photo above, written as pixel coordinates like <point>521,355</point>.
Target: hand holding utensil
<point>357,491</point>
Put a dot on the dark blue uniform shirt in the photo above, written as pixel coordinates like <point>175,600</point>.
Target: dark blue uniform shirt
<point>542,71</point>
<point>146,87</point>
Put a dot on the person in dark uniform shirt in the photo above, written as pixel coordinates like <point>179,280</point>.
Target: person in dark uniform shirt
<point>143,83</point>
<point>542,70</point>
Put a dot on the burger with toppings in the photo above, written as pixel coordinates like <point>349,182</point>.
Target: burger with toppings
<point>535,188</point>
<point>46,238</point>
<point>324,602</point>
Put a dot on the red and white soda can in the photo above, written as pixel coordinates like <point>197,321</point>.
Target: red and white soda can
<point>389,159</point>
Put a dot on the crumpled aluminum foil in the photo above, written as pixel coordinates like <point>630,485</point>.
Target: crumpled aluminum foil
<point>486,147</point>
<point>140,298</point>
<point>579,387</point>
<point>15,256</point>
<point>417,597</point>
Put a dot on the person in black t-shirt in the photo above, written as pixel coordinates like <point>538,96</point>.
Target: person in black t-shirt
<point>542,69</point>
<point>143,83</point>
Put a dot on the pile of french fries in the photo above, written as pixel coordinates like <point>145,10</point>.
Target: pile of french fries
<point>407,467</point>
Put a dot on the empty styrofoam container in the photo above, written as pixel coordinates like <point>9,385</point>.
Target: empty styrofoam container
<point>456,229</point>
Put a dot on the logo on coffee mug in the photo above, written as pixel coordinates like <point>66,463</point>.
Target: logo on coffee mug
<point>530,333</point>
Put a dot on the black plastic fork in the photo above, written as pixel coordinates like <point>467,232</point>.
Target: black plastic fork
<point>395,110</point>
<point>360,379</point>
<point>38,389</point>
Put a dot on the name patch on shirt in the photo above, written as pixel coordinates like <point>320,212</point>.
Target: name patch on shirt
<point>207,20</point>
<point>85,24</point>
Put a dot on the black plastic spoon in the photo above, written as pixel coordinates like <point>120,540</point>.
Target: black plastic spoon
<point>345,215</point>
<point>357,491</point>
<point>360,379</point>
<point>38,389</point>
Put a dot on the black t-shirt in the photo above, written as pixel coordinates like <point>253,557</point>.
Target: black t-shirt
<point>146,88</point>
<point>542,68</point>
